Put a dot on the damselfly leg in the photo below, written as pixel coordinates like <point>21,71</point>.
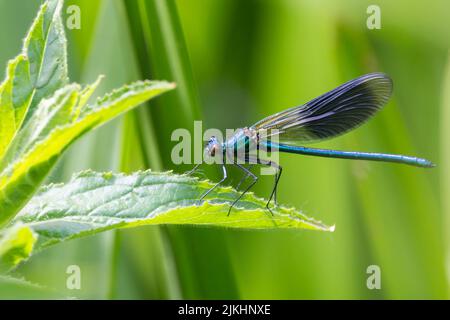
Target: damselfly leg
<point>224,169</point>
<point>272,164</point>
<point>193,169</point>
<point>275,186</point>
<point>244,177</point>
<point>247,173</point>
<point>278,172</point>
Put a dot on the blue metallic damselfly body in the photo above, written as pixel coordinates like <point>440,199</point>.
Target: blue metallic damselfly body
<point>327,116</point>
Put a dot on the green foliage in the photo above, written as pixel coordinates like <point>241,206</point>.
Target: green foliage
<point>251,59</point>
<point>14,288</point>
<point>255,58</point>
<point>95,202</point>
<point>42,115</point>
<point>162,53</point>
<point>16,244</point>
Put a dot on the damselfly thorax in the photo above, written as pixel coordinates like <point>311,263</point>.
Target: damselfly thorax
<point>243,147</point>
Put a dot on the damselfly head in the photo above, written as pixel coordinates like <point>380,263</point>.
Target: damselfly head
<point>213,147</point>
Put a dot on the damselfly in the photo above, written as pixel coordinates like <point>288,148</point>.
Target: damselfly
<point>329,115</point>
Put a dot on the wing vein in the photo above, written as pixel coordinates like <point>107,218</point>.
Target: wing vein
<point>331,114</point>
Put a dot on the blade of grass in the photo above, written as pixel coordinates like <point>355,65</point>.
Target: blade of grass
<point>158,38</point>
<point>445,164</point>
<point>139,151</point>
<point>145,250</point>
<point>161,50</point>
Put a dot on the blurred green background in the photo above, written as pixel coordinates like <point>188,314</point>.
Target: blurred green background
<point>236,62</point>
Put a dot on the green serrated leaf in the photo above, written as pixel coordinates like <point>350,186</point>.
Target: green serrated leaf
<point>51,113</point>
<point>41,115</point>
<point>25,170</point>
<point>46,49</point>
<point>95,202</point>
<point>16,288</point>
<point>12,110</point>
<point>16,244</point>
<point>85,94</point>
<point>36,73</point>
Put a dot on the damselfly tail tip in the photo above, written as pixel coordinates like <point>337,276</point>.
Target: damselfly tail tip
<point>426,163</point>
<point>431,165</point>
